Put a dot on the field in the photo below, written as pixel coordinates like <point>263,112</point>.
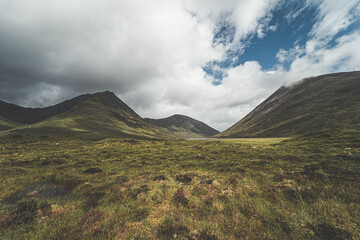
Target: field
<point>299,188</point>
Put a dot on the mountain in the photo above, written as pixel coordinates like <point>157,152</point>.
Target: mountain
<point>183,126</point>
<point>93,116</point>
<point>313,104</point>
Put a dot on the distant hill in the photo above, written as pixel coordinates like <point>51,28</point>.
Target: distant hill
<point>183,126</point>
<point>92,116</point>
<point>313,104</point>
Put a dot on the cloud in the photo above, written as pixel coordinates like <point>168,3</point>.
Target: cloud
<point>341,57</point>
<point>220,106</point>
<point>92,43</point>
<point>318,56</point>
<point>288,56</point>
<point>248,17</point>
<point>332,19</point>
<point>152,53</point>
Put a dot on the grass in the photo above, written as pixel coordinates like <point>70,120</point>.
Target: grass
<point>300,188</point>
<point>254,141</point>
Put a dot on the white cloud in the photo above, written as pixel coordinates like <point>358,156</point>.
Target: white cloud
<point>341,57</point>
<point>248,17</point>
<point>318,56</point>
<point>288,56</point>
<point>333,18</point>
<point>220,106</point>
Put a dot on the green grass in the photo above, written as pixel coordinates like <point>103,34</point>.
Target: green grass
<point>300,188</point>
<point>183,133</point>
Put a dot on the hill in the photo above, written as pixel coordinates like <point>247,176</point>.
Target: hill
<point>183,126</point>
<point>313,104</point>
<point>93,116</point>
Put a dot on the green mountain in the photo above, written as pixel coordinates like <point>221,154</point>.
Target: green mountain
<point>183,126</point>
<point>93,116</point>
<point>313,104</point>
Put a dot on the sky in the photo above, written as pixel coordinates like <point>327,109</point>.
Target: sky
<point>211,60</point>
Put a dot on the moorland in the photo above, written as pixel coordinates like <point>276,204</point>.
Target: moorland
<point>300,188</point>
<point>91,168</point>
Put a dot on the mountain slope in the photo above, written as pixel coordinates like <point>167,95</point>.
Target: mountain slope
<point>6,124</point>
<point>32,115</point>
<point>183,126</point>
<point>92,116</point>
<point>313,104</point>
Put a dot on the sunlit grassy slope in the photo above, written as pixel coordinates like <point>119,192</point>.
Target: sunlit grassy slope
<point>301,188</point>
<point>320,103</point>
<point>97,116</point>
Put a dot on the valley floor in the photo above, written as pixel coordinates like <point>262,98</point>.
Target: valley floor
<point>300,188</point>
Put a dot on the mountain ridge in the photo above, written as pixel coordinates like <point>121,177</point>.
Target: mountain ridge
<point>312,104</point>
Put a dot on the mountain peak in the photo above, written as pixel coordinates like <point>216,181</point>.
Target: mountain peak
<point>105,93</point>
<point>179,116</point>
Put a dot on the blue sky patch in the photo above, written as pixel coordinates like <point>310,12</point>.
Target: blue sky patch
<point>294,21</point>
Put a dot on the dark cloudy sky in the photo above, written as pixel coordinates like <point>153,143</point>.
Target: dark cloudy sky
<point>212,60</point>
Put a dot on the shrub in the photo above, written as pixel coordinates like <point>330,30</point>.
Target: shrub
<point>179,197</point>
<point>184,178</point>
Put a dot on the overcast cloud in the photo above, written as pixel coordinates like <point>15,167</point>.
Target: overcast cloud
<point>151,53</point>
